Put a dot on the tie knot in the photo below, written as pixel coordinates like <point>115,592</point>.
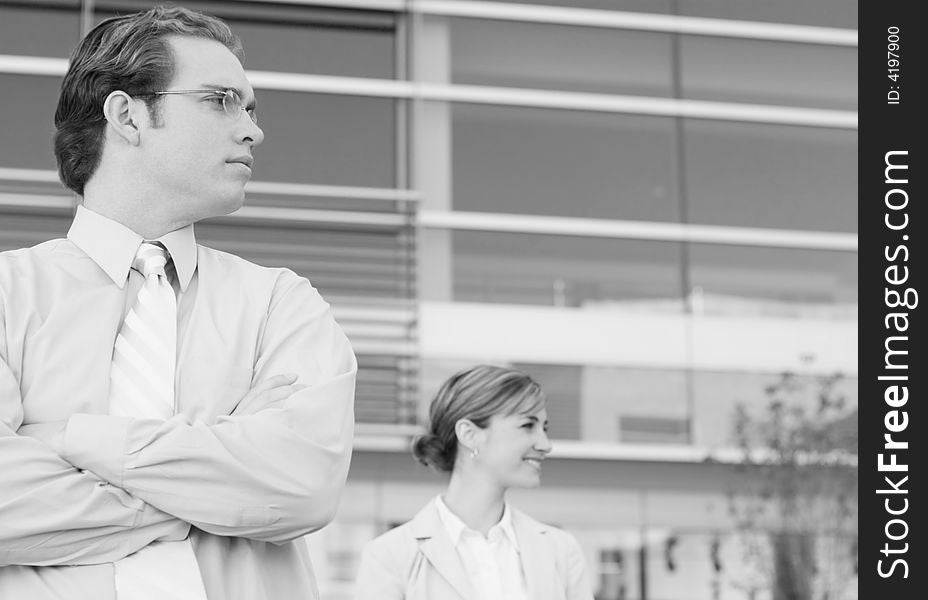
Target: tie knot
<point>151,258</point>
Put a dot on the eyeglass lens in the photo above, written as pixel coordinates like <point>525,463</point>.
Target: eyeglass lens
<point>232,104</point>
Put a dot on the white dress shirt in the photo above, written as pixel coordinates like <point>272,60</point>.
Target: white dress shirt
<point>492,563</point>
<point>243,477</point>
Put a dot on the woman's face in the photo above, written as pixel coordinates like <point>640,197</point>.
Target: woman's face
<point>513,447</point>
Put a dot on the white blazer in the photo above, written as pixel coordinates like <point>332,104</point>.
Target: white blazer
<point>417,561</point>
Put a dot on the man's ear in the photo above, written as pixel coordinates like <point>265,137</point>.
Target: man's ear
<point>122,113</point>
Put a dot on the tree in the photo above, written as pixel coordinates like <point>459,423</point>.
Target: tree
<point>795,504</point>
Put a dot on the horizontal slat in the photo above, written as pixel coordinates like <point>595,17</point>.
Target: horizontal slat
<point>642,230</point>
<point>611,19</point>
<point>367,313</point>
<point>37,201</point>
<point>565,100</point>
<point>319,217</point>
<point>271,188</point>
<point>386,332</point>
<point>502,96</point>
<point>330,191</point>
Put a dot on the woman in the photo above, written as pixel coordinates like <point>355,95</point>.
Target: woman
<point>488,428</point>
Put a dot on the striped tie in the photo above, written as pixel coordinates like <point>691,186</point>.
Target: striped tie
<point>142,386</point>
<point>142,375</point>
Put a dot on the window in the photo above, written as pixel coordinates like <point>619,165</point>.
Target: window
<point>516,268</point>
<point>326,139</point>
<point>563,163</point>
<point>631,5</point>
<point>754,175</point>
<point>762,72</point>
<point>822,13</point>
<point>28,121</point>
<point>756,281</point>
<point>25,230</point>
<point>40,28</point>
<point>716,394</point>
<point>587,59</point>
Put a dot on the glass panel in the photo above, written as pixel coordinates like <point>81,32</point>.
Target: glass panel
<point>754,281</point>
<point>757,175</point>
<point>588,59</point>
<point>28,121</point>
<point>650,6</point>
<point>660,406</point>
<point>517,268</point>
<point>26,230</point>
<point>827,13</point>
<point>44,29</point>
<point>716,395</point>
<point>634,405</point>
<point>326,139</point>
<point>298,200</point>
<point>358,264</point>
<point>560,383</point>
<point>323,45</point>
<point>298,39</point>
<point>733,70</point>
<point>554,162</point>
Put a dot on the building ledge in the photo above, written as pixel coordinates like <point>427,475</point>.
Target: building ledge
<point>378,438</point>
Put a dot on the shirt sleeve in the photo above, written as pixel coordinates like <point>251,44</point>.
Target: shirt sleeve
<point>270,473</point>
<point>54,514</point>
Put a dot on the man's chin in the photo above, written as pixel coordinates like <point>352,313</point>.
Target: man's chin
<point>230,205</point>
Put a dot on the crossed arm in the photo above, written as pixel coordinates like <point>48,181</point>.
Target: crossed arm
<point>97,488</point>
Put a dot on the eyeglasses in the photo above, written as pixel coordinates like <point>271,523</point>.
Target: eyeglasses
<point>232,103</point>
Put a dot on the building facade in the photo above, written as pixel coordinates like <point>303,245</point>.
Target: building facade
<point>650,206</point>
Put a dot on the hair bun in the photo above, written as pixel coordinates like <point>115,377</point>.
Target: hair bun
<point>429,450</point>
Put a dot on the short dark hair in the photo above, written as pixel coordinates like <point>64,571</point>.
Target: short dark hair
<point>128,53</point>
<point>475,394</point>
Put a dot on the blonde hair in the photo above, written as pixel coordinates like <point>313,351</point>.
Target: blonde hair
<point>475,394</point>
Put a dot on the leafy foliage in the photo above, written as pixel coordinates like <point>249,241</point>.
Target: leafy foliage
<point>796,499</point>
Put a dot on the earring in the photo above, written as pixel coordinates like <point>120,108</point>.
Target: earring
<point>474,452</point>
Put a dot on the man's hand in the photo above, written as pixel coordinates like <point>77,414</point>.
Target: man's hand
<point>50,433</point>
<point>269,392</point>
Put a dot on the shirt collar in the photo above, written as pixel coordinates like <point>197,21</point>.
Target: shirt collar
<point>113,246</point>
<point>456,527</point>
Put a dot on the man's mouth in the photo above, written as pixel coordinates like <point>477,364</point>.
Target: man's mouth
<point>248,161</point>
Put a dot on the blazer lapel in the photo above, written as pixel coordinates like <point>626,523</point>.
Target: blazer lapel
<point>538,560</point>
<point>442,555</point>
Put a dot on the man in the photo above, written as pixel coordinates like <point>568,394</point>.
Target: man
<point>172,418</point>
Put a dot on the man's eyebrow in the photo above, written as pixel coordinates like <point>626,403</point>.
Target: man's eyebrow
<point>220,88</point>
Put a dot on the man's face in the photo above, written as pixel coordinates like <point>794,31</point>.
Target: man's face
<point>197,157</point>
